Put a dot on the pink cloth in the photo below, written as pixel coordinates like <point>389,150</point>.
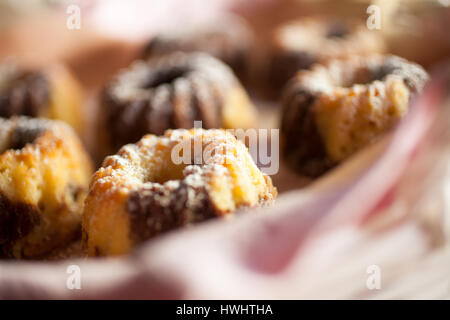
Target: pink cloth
<point>315,242</point>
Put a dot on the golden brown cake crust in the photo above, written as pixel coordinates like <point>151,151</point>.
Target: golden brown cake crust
<point>172,92</point>
<point>332,111</point>
<point>44,172</point>
<point>141,192</point>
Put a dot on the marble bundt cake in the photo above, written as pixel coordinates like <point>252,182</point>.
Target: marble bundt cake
<point>332,111</point>
<point>172,92</point>
<point>44,176</point>
<point>161,183</point>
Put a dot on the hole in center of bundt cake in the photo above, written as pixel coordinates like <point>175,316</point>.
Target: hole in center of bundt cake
<point>165,76</point>
<point>380,72</point>
<point>365,76</point>
<point>161,168</point>
<point>337,30</point>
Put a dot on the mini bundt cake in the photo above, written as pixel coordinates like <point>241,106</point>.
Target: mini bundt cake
<point>49,93</point>
<point>171,92</point>
<point>227,38</point>
<point>44,176</point>
<point>162,183</point>
<point>300,44</point>
<point>332,111</point>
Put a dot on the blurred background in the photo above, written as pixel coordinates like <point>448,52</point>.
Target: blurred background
<point>112,33</point>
